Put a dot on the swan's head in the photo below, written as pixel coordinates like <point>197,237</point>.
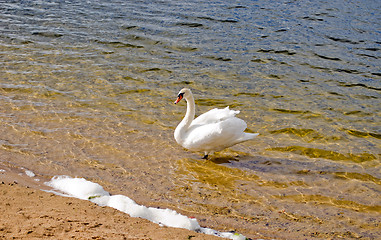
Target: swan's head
<point>184,93</point>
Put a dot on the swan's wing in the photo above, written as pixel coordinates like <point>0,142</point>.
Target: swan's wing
<point>216,136</point>
<point>213,116</point>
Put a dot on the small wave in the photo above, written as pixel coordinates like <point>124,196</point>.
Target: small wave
<point>192,25</point>
<point>342,40</point>
<point>15,88</point>
<point>143,90</point>
<point>326,154</point>
<point>286,52</point>
<point>218,20</point>
<point>313,19</point>
<point>274,76</point>
<point>367,55</point>
<point>219,58</point>
<point>308,135</point>
<point>129,27</point>
<point>118,44</point>
<point>237,7</point>
<point>351,71</point>
<point>362,134</point>
<point>357,113</point>
<point>358,176</point>
<point>249,94</point>
<point>290,111</point>
<point>212,102</point>
<point>156,70</point>
<point>358,85</point>
<point>40,91</point>
<point>330,201</point>
<point>336,94</point>
<point>328,58</point>
<point>339,70</point>
<point>181,48</point>
<point>373,49</point>
<point>258,60</point>
<point>342,175</point>
<point>48,34</point>
<point>316,67</point>
<point>302,132</point>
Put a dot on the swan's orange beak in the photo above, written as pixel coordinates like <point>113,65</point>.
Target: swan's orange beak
<point>179,97</point>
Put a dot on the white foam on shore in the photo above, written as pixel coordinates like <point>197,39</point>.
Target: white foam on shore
<point>86,190</point>
<point>30,173</point>
<point>77,187</point>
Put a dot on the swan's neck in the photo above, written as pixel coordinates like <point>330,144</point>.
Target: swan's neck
<point>183,127</point>
<point>189,116</point>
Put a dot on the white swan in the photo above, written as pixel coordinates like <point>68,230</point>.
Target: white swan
<point>212,131</point>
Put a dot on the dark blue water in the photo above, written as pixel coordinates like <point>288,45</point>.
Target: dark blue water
<point>86,89</point>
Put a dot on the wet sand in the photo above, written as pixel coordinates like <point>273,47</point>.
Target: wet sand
<point>29,213</point>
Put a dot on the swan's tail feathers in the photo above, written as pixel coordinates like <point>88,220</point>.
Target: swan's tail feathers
<point>248,136</point>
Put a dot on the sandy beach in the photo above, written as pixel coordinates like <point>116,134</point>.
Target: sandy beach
<point>27,212</point>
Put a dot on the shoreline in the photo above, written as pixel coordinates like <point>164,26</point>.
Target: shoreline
<point>29,212</point>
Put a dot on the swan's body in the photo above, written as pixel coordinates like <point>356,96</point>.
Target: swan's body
<point>212,131</point>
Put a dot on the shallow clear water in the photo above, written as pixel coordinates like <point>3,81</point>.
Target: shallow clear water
<point>87,89</point>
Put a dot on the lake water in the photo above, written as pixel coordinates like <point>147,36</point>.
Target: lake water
<point>87,90</point>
